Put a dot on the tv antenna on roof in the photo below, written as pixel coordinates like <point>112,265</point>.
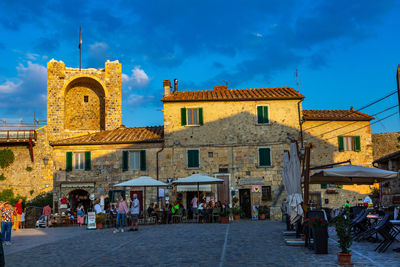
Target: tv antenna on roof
<point>226,83</point>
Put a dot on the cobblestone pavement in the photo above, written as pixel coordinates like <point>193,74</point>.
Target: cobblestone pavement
<point>243,243</point>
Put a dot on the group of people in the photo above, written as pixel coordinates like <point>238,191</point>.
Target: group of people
<point>122,211</point>
<point>11,218</point>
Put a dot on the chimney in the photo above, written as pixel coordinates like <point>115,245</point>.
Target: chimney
<point>167,87</point>
<point>220,88</point>
<point>175,85</point>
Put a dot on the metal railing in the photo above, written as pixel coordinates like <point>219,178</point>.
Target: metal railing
<point>14,135</point>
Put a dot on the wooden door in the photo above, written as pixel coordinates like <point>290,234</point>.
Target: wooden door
<point>223,189</point>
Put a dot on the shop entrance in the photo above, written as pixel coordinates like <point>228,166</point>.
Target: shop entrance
<point>140,198</point>
<point>79,196</point>
<point>245,201</point>
<point>189,197</point>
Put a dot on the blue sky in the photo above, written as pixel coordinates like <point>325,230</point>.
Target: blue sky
<point>346,52</point>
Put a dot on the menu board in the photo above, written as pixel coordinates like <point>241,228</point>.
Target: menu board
<point>91,224</point>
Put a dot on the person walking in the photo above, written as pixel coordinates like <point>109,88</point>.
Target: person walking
<point>135,209</point>
<point>7,219</point>
<point>81,214</point>
<point>18,214</point>
<point>122,211</point>
<point>47,214</point>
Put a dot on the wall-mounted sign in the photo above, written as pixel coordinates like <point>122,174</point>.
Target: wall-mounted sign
<point>256,189</point>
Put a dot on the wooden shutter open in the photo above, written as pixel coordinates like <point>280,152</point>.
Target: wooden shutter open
<point>201,116</point>
<point>125,158</point>
<point>259,114</point>
<point>265,114</point>
<point>142,160</point>
<point>357,143</point>
<point>183,116</point>
<point>88,161</point>
<point>69,162</point>
<point>341,143</point>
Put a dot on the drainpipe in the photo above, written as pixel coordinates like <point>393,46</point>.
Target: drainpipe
<point>157,170</point>
<point>300,123</point>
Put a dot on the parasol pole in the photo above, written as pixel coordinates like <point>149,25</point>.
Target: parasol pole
<point>198,192</point>
<point>144,201</point>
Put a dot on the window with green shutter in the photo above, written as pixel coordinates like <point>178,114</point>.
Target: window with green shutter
<point>200,116</point>
<point>125,162</point>
<point>142,160</point>
<point>69,162</point>
<point>340,143</point>
<point>262,115</point>
<point>193,158</point>
<point>264,157</point>
<point>88,161</point>
<point>349,143</point>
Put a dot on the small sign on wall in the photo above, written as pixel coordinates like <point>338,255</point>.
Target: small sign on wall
<point>256,189</point>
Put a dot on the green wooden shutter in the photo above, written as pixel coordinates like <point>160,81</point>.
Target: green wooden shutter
<point>341,143</point>
<point>265,115</point>
<point>324,186</point>
<point>183,116</point>
<point>264,155</point>
<point>69,162</point>
<point>190,158</point>
<point>142,160</point>
<point>357,144</point>
<point>201,116</point>
<point>259,114</point>
<point>125,163</point>
<point>88,161</point>
<point>196,158</point>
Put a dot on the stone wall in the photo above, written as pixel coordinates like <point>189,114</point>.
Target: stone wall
<point>39,179</point>
<point>385,143</point>
<point>65,116</point>
<point>325,151</point>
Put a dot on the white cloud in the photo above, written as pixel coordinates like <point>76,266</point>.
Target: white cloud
<point>138,78</point>
<point>139,100</point>
<point>9,87</point>
<point>258,35</point>
<point>32,76</point>
<point>99,52</point>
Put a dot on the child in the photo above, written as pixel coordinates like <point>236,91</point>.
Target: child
<point>23,220</point>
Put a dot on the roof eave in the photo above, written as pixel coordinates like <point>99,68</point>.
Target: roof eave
<point>107,143</point>
<point>228,100</point>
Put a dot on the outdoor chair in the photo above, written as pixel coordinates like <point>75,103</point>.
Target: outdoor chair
<point>196,215</point>
<point>361,224</point>
<point>215,214</point>
<point>373,230</point>
<point>177,217</point>
<point>108,223</point>
<point>389,233</point>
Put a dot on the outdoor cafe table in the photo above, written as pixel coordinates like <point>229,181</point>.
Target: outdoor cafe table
<point>396,225</point>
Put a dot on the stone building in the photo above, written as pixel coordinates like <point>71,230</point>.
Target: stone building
<point>238,135</point>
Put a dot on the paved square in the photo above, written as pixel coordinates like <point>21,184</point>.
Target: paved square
<point>243,243</point>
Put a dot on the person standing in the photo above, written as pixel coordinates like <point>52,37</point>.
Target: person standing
<point>7,219</point>
<point>81,215</point>
<point>47,214</point>
<point>23,220</point>
<point>18,214</point>
<point>347,204</point>
<point>121,212</point>
<point>135,209</point>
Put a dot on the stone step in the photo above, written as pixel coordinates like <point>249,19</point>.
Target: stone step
<point>297,243</point>
<point>289,233</point>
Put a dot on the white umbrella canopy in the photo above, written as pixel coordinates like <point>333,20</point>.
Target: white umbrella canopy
<point>352,174</point>
<point>294,186</point>
<point>198,179</point>
<point>142,181</point>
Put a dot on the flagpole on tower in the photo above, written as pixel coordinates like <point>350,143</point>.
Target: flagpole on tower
<point>80,49</point>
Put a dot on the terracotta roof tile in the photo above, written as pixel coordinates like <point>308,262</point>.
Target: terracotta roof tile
<point>335,115</point>
<point>120,135</point>
<point>277,93</point>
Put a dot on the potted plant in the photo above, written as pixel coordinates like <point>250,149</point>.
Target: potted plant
<point>262,211</point>
<point>319,228</point>
<point>343,231</point>
<point>224,214</point>
<point>237,211</point>
<point>99,221</point>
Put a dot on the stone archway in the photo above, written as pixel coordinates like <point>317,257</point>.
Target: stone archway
<point>84,104</point>
<point>77,196</point>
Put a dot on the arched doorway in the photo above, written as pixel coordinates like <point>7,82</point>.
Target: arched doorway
<point>79,196</point>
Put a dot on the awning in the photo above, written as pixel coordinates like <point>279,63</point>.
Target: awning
<point>251,181</point>
<point>143,181</point>
<point>193,188</point>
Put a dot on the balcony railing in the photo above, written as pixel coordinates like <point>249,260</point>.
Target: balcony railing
<point>17,135</point>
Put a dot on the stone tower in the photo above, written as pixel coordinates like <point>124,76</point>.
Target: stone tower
<point>82,101</point>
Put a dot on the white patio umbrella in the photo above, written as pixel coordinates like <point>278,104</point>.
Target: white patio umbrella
<point>294,185</point>
<point>197,179</point>
<point>142,181</point>
<point>352,174</point>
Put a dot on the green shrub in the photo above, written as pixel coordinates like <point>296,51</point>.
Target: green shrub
<point>343,231</point>
<point>31,192</point>
<point>42,200</point>
<point>2,177</point>
<point>29,169</point>
<point>8,195</point>
<point>6,158</point>
<point>237,210</point>
<point>263,210</point>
